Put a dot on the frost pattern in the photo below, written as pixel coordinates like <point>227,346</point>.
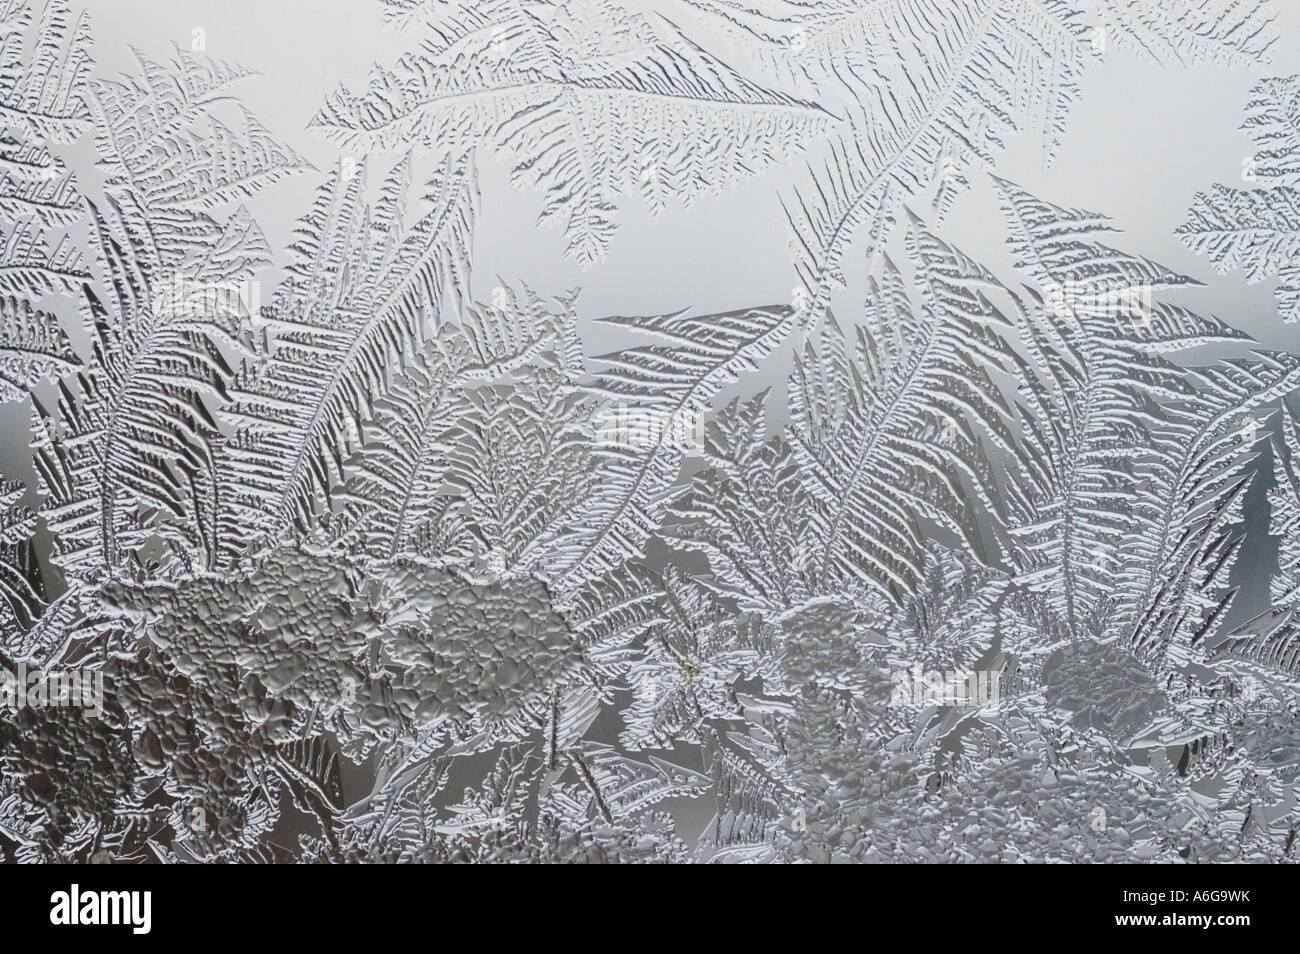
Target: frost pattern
<point>589,101</point>
<point>1257,230</point>
<point>380,572</point>
<point>933,89</point>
